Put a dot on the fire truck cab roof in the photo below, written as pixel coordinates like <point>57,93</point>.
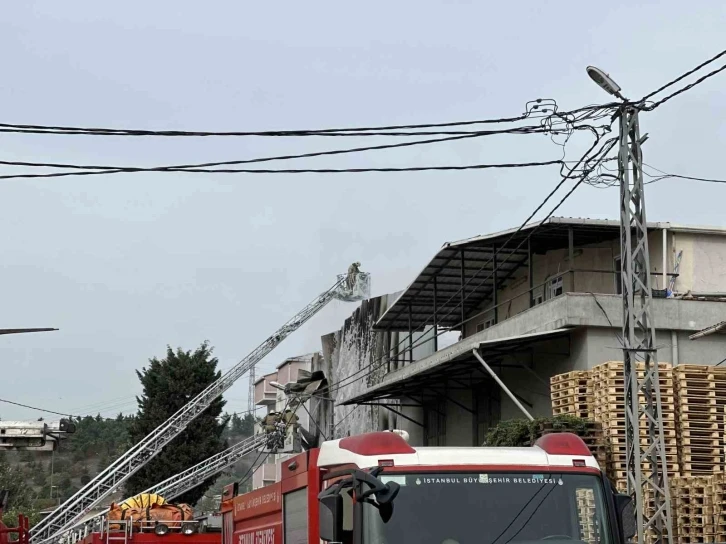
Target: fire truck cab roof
<point>389,449</point>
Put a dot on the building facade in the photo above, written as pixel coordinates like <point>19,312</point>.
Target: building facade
<point>273,399</point>
<point>530,303</point>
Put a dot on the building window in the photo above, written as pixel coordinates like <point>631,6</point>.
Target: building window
<point>555,287</point>
<point>484,325</point>
<point>618,276</point>
<point>539,299</point>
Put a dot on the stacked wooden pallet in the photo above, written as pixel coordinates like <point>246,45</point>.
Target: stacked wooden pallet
<point>593,436</point>
<point>586,508</point>
<point>609,410</point>
<point>693,507</point>
<point>718,484</point>
<point>572,394</point>
<point>700,421</point>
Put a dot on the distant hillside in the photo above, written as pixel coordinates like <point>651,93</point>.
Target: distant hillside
<point>96,443</point>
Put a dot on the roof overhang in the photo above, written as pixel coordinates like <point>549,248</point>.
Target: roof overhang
<point>22,331</point>
<point>454,362</point>
<point>471,262</point>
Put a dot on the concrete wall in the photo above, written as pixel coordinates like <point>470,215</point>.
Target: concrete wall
<point>702,263</point>
<point>514,298</point>
<point>362,357</point>
<point>701,271</point>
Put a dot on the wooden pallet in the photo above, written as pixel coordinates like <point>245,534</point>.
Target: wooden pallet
<point>571,394</point>
<point>700,418</point>
<point>693,508</point>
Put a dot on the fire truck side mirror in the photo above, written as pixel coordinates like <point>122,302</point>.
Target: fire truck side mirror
<point>626,516</point>
<point>331,517</point>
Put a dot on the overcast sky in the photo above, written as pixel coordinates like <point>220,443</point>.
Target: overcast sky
<point>124,265</point>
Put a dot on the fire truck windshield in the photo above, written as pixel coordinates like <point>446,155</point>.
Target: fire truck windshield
<point>492,508</point>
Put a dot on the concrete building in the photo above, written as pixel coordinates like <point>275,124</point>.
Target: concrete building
<point>274,400</point>
<point>533,303</point>
<point>356,357</point>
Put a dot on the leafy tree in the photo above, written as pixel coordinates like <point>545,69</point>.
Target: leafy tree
<point>21,498</point>
<point>168,384</point>
<point>248,425</point>
<point>40,478</point>
<point>237,424</point>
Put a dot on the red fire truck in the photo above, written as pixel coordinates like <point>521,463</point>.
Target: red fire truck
<point>20,533</point>
<point>377,489</point>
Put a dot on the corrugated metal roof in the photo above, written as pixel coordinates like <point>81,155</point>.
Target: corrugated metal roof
<point>449,363</point>
<point>473,258</point>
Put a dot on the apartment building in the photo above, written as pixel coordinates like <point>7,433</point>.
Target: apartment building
<point>532,303</point>
<point>274,400</point>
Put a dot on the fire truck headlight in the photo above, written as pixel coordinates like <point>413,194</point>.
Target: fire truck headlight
<point>189,529</point>
<point>161,529</point>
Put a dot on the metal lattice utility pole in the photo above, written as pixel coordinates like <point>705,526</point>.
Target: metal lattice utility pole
<point>251,393</point>
<point>647,470</point>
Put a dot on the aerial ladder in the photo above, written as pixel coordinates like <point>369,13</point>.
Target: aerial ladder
<point>34,435</point>
<point>280,433</point>
<point>350,287</point>
<point>178,484</point>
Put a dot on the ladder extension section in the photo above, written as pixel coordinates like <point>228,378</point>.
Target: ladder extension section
<point>184,481</point>
<point>109,480</point>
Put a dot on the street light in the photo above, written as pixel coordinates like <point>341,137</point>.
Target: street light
<point>604,81</point>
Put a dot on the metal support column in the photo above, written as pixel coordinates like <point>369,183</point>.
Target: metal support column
<point>646,465</point>
<point>463,294</point>
<point>495,296</point>
<point>506,389</point>
<point>251,393</point>
<point>571,255</point>
<point>436,316</point>
<point>410,335</point>
<point>530,272</point>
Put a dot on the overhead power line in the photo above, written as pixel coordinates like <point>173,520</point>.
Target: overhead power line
<point>666,175</point>
<point>298,171</point>
<point>375,364</point>
<point>64,414</point>
<point>192,167</point>
<point>539,108</point>
<point>36,408</point>
<point>535,106</point>
<point>683,76</point>
<point>686,88</point>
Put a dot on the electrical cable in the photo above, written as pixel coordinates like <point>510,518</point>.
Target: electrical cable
<point>423,340</point>
<point>519,513</point>
<point>532,514</point>
<point>252,468</point>
<point>666,175</point>
<point>534,130</point>
<point>346,416</point>
<point>35,408</point>
<point>683,76</point>
<point>222,416</point>
<point>684,89</point>
<point>381,360</point>
<point>532,106</point>
<point>301,171</point>
<point>599,305</point>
